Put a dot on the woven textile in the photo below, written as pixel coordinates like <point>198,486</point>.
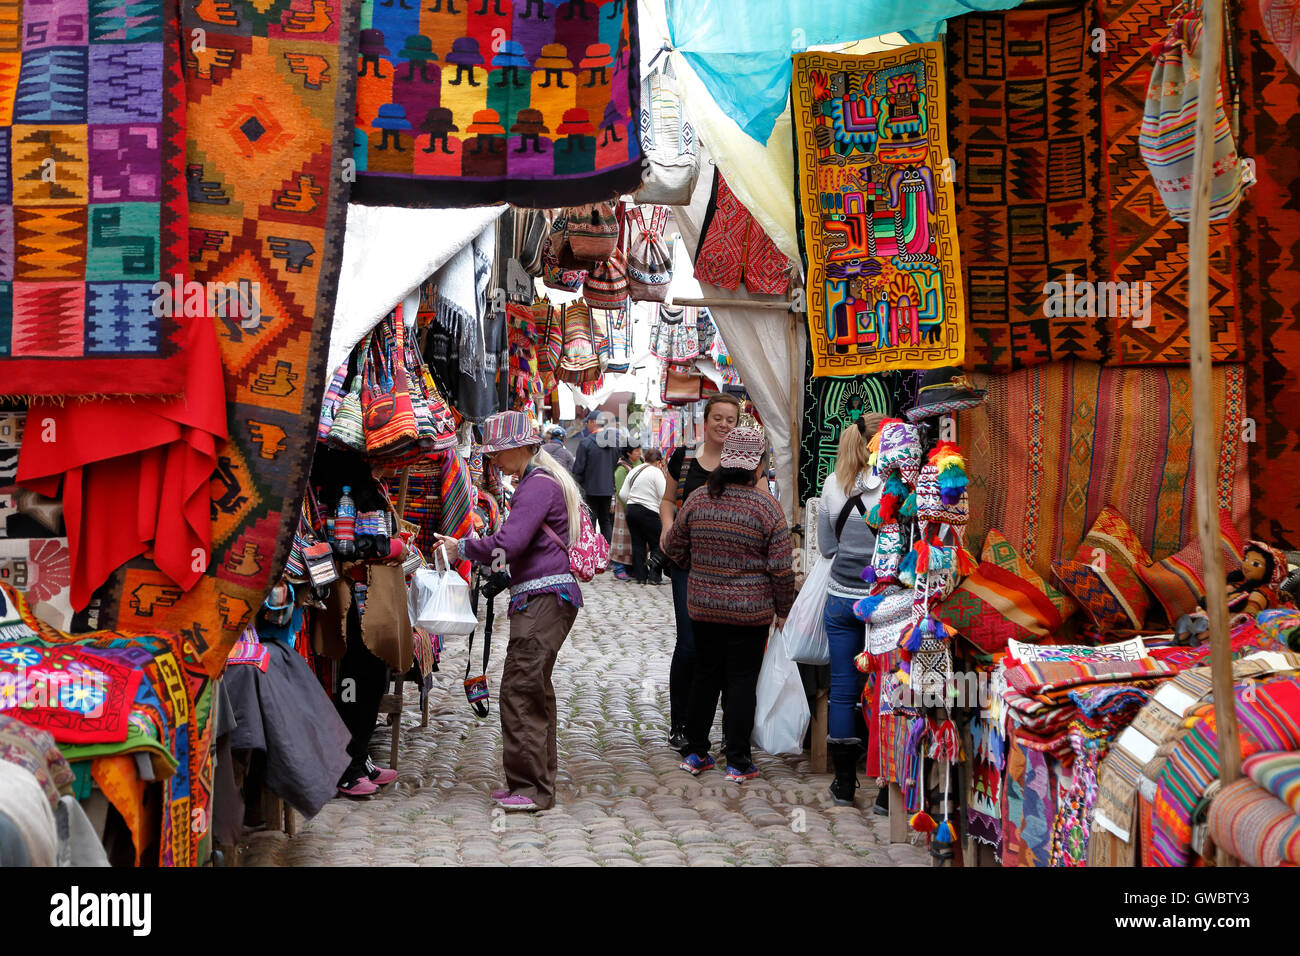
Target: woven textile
<point>879,232</point>
<point>993,605</point>
<point>998,550</point>
<point>1254,826</point>
<point>170,717</point>
<point>35,750</point>
<point>1055,444</point>
<point>1146,245</point>
<point>830,403</point>
<point>269,122</point>
<point>492,102</point>
<point>1103,576</point>
<point>1278,772</point>
<point>76,696</point>
<point>92,199</point>
<point>734,250</point>
<point>1267,261</point>
<point>1024,94</point>
<point>1178,582</point>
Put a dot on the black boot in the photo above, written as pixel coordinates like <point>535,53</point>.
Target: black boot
<point>677,738</point>
<point>882,801</point>
<point>844,755</point>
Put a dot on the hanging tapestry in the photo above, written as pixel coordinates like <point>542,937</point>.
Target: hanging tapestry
<point>92,200</point>
<point>1148,250</point>
<point>879,232</point>
<point>1024,98</point>
<point>520,101</point>
<point>270,98</point>
<point>830,403</point>
<point>78,697</point>
<point>1267,260</point>
<point>42,569</point>
<point>1282,22</point>
<point>1055,444</point>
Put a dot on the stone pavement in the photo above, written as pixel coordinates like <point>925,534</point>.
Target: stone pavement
<point>621,798</point>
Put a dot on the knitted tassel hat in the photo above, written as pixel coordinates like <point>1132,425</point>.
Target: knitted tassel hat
<point>900,450</point>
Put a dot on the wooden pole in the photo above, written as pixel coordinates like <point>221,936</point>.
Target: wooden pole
<point>782,305</point>
<point>1203,434</point>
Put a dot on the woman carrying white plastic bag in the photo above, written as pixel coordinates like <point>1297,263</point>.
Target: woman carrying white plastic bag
<point>439,601</point>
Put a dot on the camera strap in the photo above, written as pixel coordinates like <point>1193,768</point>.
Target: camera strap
<point>476,688</point>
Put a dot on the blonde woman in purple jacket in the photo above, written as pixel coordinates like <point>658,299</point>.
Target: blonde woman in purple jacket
<point>544,600</point>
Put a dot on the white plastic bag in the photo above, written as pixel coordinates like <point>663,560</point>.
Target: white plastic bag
<point>438,601</point>
<point>805,627</point>
<point>781,713</point>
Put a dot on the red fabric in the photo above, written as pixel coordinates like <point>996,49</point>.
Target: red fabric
<point>78,696</point>
<point>135,474</point>
<point>734,249</point>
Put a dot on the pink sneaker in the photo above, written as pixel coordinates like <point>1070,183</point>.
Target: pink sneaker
<point>361,787</point>
<point>379,776</point>
<point>500,794</point>
<point>516,801</point>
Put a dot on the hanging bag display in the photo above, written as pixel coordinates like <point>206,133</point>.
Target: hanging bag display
<point>387,412</point>
<point>734,250</point>
<point>578,363</point>
<point>649,264</point>
<point>334,393</point>
<point>606,285</point>
<point>550,342</point>
<point>680,386</point>
<point>620,341</point>
<point>593,231</point>
<point>672,164</point>
<point>531,230</point>
<point>1169,121</point>
<point>675,337</point>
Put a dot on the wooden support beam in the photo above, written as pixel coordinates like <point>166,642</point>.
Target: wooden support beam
<point>780,305</point>
<point>1204,437</point>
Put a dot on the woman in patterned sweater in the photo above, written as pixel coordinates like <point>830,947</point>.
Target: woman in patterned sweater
<point>733,538</point>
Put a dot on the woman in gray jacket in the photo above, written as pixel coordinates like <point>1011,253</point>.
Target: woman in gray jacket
<point>843,535</point>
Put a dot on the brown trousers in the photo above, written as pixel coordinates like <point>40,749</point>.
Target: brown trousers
<point>528,699</point>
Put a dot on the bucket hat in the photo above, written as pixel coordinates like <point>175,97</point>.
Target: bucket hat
<point>506,430</point>
<point>942,391</point>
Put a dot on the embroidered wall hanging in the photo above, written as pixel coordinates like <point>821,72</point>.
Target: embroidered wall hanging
<point>879,227</point>
<point>92,198</point>
<point>461,102</point>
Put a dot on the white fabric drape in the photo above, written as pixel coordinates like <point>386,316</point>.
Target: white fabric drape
<point>759,343</point>
<point>387,252</point>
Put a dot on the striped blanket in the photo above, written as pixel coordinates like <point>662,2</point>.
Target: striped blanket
<point>1255,826</point>
<point>1278,772</point>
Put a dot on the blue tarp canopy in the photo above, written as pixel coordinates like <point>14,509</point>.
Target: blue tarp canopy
<point>741,50</point>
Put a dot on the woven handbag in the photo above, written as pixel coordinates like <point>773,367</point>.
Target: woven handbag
<point>556,276</point>
<point>649,266</point>
<point>579,363</point>
<point>387,412</point>
<point>1167,140</point>
<point>620,341</point>
<point>531,230</point>
<point>592,231</point>
<point>668,141</point>
<point>334,393</point>
<point>606,285</point>
<point>675,339</point>
<point>550,342</point>
<point>347,429</point>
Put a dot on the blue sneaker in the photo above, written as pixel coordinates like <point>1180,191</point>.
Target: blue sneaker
<point>695,765</point>
<point>741,775</point>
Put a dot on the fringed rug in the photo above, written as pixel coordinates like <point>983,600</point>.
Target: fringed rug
<point>1146,246</point>
<point>270,102</point>
<point>462,102</point>
<point>1024,97</point>
<point>1268,258</point>
<point>879,231</point>
<point>832,402</point>
<point>1053,445</point>
<point>92,199</point>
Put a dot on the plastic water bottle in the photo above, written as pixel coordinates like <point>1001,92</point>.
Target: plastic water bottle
<point>345,521</point>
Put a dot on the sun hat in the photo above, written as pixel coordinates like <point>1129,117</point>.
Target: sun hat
<point>743,448</point>
<point>506,430</point>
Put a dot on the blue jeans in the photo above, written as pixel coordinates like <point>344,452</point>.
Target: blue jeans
<point>847,637</point>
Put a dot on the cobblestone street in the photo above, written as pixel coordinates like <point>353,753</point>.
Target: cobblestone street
<point>621,798</point>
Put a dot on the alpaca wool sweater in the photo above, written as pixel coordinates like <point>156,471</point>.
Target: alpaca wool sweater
<point>737,548</point>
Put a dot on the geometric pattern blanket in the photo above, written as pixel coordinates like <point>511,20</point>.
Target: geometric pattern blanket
<point>1055,444</point>
<point>270,103</point>
<point>92,198</point>
<point>519,101</point>
<point>1025,101</point>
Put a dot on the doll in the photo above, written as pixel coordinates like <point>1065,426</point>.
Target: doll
<point>1252,588</point>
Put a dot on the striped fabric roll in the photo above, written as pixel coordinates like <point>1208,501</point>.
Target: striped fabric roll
<point>1255,826</point>
<point>1278,772</point>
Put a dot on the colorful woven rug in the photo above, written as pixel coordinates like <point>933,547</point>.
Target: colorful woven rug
<point>1146,246</point>
<point>1024,97</point>
<point>270,104</point>
<point>77,697</point>
<point>1054,444</point>
<point>830,403</point>
<point>1267,261</point>
<point>878,231</point>
<point>92,198</point>
<point>525,101</point>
